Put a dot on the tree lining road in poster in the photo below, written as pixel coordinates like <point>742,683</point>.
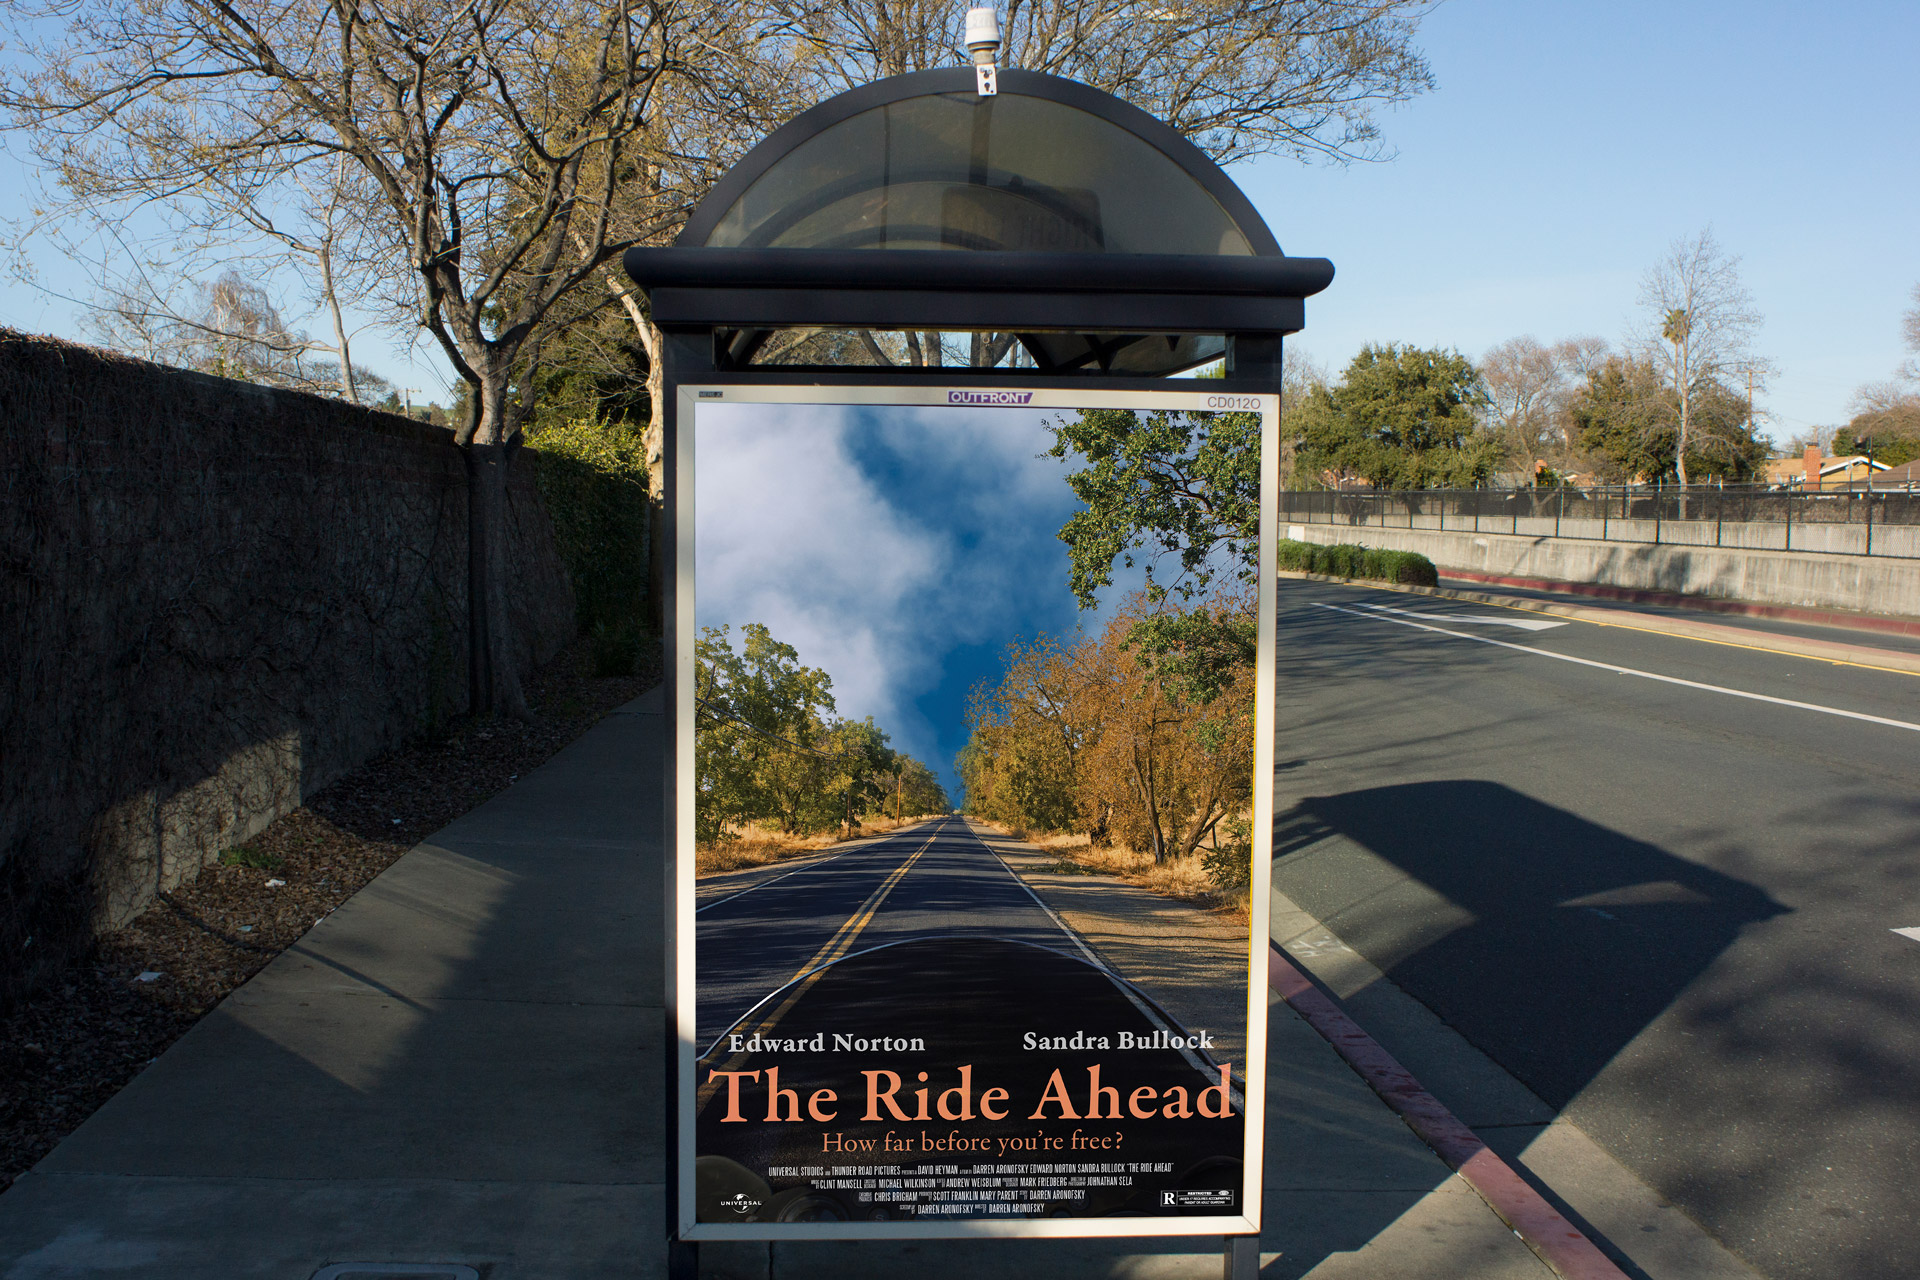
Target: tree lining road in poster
<point>900,1029</point>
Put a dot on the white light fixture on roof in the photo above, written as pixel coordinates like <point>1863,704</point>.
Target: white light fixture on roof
<point>983,42</point>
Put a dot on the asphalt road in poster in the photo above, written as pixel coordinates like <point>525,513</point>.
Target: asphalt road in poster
<point>754,942</point>
<point>928,941</point>
<point>1668,908</point>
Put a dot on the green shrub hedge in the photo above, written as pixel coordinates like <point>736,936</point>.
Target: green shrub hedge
<point>592,476</point>
<point>1346,560</point>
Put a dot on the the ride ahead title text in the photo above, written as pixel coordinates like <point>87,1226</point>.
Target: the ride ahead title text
<point>758,1096</point>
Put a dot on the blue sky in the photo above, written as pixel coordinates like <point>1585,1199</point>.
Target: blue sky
<point>1567,144</point>
<point>901,550</point>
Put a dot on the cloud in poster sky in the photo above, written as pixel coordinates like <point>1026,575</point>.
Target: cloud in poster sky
<point>899,549</point>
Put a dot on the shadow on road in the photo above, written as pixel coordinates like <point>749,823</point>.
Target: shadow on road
<point>1548,941</point>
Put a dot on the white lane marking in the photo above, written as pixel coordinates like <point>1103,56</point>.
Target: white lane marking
<point>1913,933</point>
<point>1523,624</point>
<point>1633,671</point>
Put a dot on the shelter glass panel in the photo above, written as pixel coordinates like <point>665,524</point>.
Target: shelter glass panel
<point>957,171</point>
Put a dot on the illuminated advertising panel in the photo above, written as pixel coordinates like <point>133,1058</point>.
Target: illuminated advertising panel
<point>972,815</point>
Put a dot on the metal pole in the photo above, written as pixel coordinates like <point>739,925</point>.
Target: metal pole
<point>1789,545</point>
<point>1242,1258</point>
<point>1561,510</point>
<point>1869,495</point>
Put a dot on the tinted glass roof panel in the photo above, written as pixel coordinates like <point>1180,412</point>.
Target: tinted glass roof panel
<point>958,171</point>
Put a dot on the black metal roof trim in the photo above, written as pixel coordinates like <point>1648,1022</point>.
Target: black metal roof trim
<point>1163,138</point>
<point>987,310</point>
<point>937,270</point>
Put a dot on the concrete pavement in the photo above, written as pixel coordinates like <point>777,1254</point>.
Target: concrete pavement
<point>460,1068</point>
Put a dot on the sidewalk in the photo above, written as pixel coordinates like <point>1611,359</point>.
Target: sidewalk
<point>460,1069</point>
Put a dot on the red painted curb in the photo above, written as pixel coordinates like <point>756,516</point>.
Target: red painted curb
<point>1553,1239</point>
<point>1631,595</point>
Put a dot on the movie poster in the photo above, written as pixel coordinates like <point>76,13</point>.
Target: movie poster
<point>974,706</point>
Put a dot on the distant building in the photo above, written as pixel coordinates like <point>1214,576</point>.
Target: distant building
<point>1904,477</point>
<point>1811,471</point>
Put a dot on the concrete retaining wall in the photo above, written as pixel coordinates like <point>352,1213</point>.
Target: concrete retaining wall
<point>1809,580</point>
<point>1757,535</point>
<point>215,599</point>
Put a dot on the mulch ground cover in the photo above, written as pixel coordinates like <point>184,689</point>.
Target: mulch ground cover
<point>76,1044</point>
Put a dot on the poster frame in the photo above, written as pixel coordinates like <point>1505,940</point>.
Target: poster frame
<point>928,390</point>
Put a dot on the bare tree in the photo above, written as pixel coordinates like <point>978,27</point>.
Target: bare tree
<point>153,252</point>
<point>1702,328</point>
<point>1579,357</point>
<point>1524,386</point>
<point>1240,77</point>
<point>492,138</point>
<point>1910,334</point>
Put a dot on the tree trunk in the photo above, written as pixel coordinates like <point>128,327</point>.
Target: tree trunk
<point>655,441</point>
<point>1683,381</point>
<point>493,683</point>
<point>347,380</point>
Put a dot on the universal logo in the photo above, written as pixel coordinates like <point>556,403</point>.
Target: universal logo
<point>989,397</point>
<point>741,1203</point>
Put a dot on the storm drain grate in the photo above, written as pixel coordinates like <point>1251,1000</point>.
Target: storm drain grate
<point>396,1271</point>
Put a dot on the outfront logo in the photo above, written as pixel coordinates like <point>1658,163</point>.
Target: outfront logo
<point>989,397</point>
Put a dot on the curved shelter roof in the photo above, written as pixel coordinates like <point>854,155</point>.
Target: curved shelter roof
<point>1106,240</point>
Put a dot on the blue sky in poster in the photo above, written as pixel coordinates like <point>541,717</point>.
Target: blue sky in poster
<point>900,549</point>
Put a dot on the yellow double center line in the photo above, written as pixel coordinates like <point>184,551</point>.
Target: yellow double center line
<point>809,973</point>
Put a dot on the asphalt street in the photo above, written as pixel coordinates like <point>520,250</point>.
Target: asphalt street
<point>1657,879</point>
<point>1681,613</point>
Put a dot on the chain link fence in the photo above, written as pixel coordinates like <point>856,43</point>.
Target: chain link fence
<point>1856,521</point>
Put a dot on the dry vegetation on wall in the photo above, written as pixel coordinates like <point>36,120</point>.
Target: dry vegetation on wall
<point>99,1022</point>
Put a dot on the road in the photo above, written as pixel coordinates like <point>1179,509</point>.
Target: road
<point>1896,641</point>
<point>1656,879</point>
<point>938,877</point>
<point>922,954</point>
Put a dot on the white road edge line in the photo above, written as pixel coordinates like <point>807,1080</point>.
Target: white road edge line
<point>769,880</point>
<point>1120,984</point>
<point>1630,671</point>
<point>810,865</point>
<point>1913,933</point>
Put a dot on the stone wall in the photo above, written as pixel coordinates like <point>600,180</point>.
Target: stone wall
<point>215,599</point>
